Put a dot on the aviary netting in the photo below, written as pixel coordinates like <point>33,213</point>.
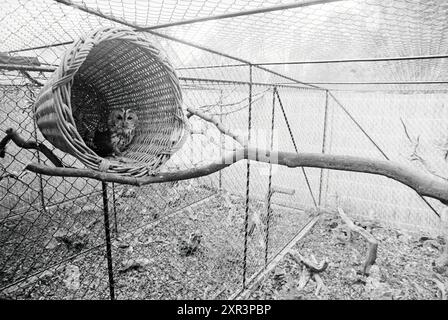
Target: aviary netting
<point>75,90</point>
<point>115,67</point>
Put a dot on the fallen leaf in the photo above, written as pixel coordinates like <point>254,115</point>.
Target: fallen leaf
<point>52,244</point>
<point>72,276</point>
<point>138,264</point>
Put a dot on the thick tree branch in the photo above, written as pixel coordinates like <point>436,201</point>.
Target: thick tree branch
<point>11,134</point>
<point>424,184</point>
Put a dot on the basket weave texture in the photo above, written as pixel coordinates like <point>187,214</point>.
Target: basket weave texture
<point>106,70</point>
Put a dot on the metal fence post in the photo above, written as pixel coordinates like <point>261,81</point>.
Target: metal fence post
<point>115,209</point>
<point>324,144</point>
<point>108,242</point>
<point>246,220</point>
<point>39,160</point>
<point>221,144</point>
<point>269,194</point>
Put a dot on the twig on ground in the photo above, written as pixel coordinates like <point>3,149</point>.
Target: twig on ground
<point>441,286</point>
<point>313,267</point>
<point>310,270</point>
<point>373,243</point>
<point>304,278</point>
<point>320,284</point>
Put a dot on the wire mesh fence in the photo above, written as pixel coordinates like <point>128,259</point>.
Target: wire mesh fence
<point>58,231</point>
<point>381,116</point>
<point>202,238</point>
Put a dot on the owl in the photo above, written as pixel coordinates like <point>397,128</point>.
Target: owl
<point>117,135</point>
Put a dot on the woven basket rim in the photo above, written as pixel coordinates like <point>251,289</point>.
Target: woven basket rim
<point>60,87</point>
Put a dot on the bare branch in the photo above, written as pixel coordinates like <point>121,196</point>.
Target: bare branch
<point>441,287</point>
<point>424,184</point>
<point>197,131</point>
<point>202,132</point>
<point>373,243</point>
<point>11,134</point>
<point>312,267</point>
<point>320,284</point>
<point>279,189</point>
<point>212,119</point>
<point>305,277</point>
<point>29,77</point>
<point>416,156</point>
<point>13,175</point>
<point>406,130</point>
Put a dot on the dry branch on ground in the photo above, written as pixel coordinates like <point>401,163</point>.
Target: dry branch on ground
<point>373,242</point>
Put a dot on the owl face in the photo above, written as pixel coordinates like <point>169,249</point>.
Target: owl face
<point>121,129</point>
<point>125,119</point>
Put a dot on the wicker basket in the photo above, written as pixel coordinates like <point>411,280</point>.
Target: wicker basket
<point>113,69</point>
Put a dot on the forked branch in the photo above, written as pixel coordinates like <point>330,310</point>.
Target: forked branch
<point>311,266</point>
<point>436,167</point>
<point>373,243</point>
<point>423,183</point>
<point>11,134</point>
<point>219,125</point>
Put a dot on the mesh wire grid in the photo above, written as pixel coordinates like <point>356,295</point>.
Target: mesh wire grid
<point>53,228</point>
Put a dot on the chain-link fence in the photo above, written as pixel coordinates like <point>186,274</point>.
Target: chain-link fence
<point>76,238</point>
<point>53,228</point>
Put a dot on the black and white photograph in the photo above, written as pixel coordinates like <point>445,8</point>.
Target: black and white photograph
<point>235,151</point>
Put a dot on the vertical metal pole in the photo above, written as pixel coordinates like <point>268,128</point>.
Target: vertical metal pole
<point>41,184</point>
<point>108,242</point>
<point>246,220</point>
<point>115,210</point>
<point>324,144</point>
<point>269,194</point>
<point>221,143</point>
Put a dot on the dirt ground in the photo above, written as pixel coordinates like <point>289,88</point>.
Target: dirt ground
<point>404,267</point>
<point>154,226</point>
<point>154,256</point>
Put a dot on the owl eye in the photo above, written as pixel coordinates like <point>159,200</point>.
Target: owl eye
<point>129,118</point>
<point>120,118</point>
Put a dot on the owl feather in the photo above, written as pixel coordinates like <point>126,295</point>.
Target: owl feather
<point>114,138</point>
